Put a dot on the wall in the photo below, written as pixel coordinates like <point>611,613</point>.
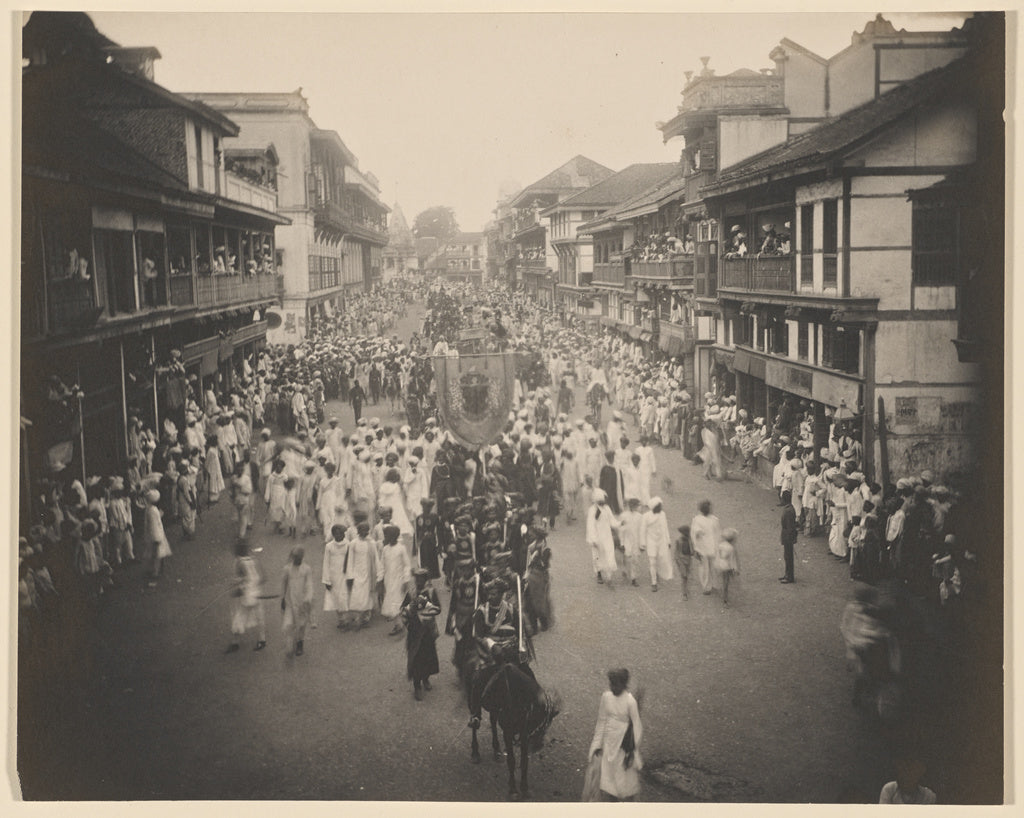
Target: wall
<point>740,137</point>
<point>930,428</point>
<point>920,352</point>
<point>804,85</point>
<point>897,65</point>
<point>939,135</point>
<point>851,78</point>
<point>289,133</point>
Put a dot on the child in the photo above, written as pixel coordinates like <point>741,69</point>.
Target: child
<point>630,535</point>
<point>855,542</point>
<point>290,508</point>
<point>727,561</point>
<point>120,517</point>
<point>296,600</point>
<point>397,570</point>
<point>684,555</point>
<point>214,473</point>
<point>154,540</point>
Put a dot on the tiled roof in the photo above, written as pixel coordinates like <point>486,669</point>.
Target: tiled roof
<point>576,174</point>
<point>845,131</point>
<point>56,138</point>
<point>650,197</point>
<point>623,185</point>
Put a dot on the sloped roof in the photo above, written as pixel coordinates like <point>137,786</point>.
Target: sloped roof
<point>619,187</point>
<point>576,174</point>
<point>648,199</point>
<point>845,131</point>
<point>56,138</point>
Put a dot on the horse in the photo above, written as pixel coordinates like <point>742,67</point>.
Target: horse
<point>523,710</point>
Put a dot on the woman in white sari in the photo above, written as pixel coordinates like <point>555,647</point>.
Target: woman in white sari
<point>618,746</point>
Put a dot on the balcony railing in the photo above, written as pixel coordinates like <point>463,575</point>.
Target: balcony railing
<point>610,273</point>
<point>218,290</point>
<point>679,268</point>
<point>181,291</point>
<point>323,281</point>
<point>347,220</point>
<point>71,304</point>
<point>759,273</point>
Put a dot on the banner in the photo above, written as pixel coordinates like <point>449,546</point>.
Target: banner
<point>474,395</point>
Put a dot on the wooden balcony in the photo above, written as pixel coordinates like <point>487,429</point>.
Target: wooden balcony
<point>534,264</point>
<point>759,274</point>
<point>71,305</point>
<point>610,273</point>
<point>182,291</point>
<point>215,291</point>
<point>679,270</point>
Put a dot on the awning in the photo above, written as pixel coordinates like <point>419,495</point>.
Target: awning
<point>646,336</point>
<point>634,332</point>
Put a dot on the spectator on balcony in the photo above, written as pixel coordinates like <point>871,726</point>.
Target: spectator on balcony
<point>737,243</point>
<point>770,242</point>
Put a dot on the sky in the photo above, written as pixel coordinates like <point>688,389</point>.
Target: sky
<point>449,109</point>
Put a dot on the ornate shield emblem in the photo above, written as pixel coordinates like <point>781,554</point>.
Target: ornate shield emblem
<point>474,395</point>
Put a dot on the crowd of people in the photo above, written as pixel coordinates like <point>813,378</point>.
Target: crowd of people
<point>406,513</point>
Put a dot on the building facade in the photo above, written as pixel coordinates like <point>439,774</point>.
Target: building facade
<point>139,249</point>
<point>535,261</point>
<point>860,317</point>
<point>334,244</point>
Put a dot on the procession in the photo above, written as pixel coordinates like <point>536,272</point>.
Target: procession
<point>317,519</point>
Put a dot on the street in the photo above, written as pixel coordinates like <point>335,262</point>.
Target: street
<point>745,703</point>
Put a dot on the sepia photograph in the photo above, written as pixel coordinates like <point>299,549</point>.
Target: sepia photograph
<point>510,407</point>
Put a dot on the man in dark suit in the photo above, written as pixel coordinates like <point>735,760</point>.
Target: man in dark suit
<point>789,530</point>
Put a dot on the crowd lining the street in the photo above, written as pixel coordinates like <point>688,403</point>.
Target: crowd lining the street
<point>400,508</point>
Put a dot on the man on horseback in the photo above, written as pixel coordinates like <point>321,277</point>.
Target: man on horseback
<point>499,639</point>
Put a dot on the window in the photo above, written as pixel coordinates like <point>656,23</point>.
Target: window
<point>199,156</point>
<point>807,245</point>
<point>803,341</point>
<point>115,264</point>
<point>778,337</point>
<point>830,241</point>
<point>840,349</point>
<point>204,248</point>
<point>935,242</point>
<point>179,250</point>
<point>152,282</point>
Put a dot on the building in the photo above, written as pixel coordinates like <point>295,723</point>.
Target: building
<point>535,258</point>
<point>501,251</point>
<point>400,253</point>
<point>864,314</point>
<point>334,244</point>
<point>574,250</point>
<point>463,258</point>
<point>136,240</point>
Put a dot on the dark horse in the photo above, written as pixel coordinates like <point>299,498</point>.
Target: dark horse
<point>517,704</point>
